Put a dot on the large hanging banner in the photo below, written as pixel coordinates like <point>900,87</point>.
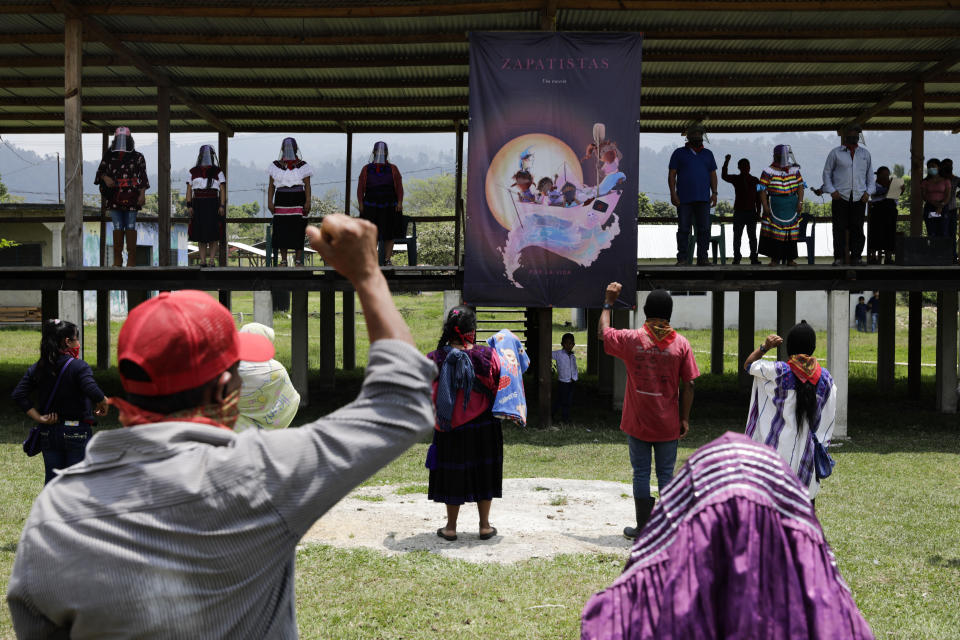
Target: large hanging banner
<point>552,172</point>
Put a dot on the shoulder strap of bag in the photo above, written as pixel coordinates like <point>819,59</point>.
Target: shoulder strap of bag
<point>56,385</point>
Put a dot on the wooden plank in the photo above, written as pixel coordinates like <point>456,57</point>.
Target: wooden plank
<point>223,157</point>
<point>947,351</point>
<point>313,10</point>
<point>349,331</point>
<point>328,339</point>
<point>163,176</point>
<point>716,333</point>
<point>886,341</point>
<point>103,330</point>
<point>299,346</point>
<point>914,342</point>
<point>916,159</point>
<point>73,157</point>
<point>746,328</point>
<point>544,370</point>
<point>786,317</point>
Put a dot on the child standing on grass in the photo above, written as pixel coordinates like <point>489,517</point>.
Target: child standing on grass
<point>659,394</point>
<point>861,315</point>
<point>566,362</point>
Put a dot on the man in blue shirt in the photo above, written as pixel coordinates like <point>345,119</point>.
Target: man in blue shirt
<point>848,178</point>
<point>693,190</point>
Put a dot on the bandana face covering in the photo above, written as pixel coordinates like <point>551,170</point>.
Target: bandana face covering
<point>470,337</point>
<point>661,332</point>
<point>806,368</point>
<point>223,415</point>
<point>72,351</point>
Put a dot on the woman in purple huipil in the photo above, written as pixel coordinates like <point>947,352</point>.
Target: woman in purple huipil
<point>732,550</point>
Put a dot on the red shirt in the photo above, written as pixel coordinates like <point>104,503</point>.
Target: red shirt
<point>651,402</point>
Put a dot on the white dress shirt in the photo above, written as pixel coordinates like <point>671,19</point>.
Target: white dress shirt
<point>566,365</point>
<point>851,176</point>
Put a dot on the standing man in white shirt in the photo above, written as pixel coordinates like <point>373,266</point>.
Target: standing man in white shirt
<point>566,375</point>
<point>848,178</point>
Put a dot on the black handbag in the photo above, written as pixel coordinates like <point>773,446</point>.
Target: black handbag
<point>31,446</point>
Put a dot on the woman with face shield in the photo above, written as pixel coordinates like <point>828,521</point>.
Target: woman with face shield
<point>781,194</point>
<point>206,198</point>
<point>288,199</point>
<point>380,199</point>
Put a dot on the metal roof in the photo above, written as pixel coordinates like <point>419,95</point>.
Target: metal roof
<point>401,65</point>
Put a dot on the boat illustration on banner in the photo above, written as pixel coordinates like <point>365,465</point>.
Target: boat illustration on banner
<point>553,209</point>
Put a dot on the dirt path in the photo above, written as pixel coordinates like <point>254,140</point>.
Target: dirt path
<point>537,518</point>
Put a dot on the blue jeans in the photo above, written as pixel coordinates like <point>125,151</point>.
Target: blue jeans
<point>640,457</point>
<point>62,447</point>
<point>123,220</point>
<point>875,319</point>
<point>693,214</point>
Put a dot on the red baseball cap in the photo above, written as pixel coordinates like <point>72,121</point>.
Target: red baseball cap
<point>183,340</point>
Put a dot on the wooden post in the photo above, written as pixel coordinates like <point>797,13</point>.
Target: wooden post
<point>222,157</point>
<point>458,196</point>
<point>349,331</point>
<point>349,299</point>
<point>947,309</point>
<point>914,353</point>
<point>298,344</point>
<point>786,317</point>
<point>73,144</point>
<point>886,341</point>
<point>544,370</point>
<point>620,319</point>
<point>746,328</point>
<point>163,176</point>
<point>104,150</point>
<point>346,186</point>
<point>103,329</point>
<point>916,160</point>
<point>49,304</point>
<point>716,333</point>
<point>838,354</point>
<point>328,338</point>
<point>593,342</point>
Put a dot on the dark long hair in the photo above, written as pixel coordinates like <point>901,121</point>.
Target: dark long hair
<point>53,336</point>
<point>461,318</point>
<point>806,403</point>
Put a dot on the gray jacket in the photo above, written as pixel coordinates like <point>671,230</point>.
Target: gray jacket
<point>183,530</point>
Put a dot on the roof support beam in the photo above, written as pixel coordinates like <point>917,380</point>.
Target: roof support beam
<point>663,33</point>
<point>72,145</point>
<point>906,90</point>
<point>71,10</point>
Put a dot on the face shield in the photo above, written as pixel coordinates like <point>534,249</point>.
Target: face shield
<point>289,152</point>
<point>380,153</point>
<point>783,156</point>
<point>122,140</point>
<point>207,157</point>
<point>696,134</point>
<point>852,136</point>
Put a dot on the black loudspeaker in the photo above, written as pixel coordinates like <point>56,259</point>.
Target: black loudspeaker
<point>923,251</point>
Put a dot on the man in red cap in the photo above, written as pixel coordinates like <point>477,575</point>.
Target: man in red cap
<point>178,527</point>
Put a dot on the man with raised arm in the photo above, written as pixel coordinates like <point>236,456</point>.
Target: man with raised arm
<point>178,527</point>
<point>659,394</point>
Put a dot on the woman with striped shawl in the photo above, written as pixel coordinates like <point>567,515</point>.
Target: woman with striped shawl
<point>792,403</point>
<point>781,193</point>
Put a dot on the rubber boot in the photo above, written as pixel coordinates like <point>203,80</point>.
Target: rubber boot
<point>117,248</point>
<point>131,247</point>
<point>643,507</point>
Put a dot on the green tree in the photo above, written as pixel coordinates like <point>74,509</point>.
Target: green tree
<point>898,170</point>
<point>431,197</point>
<point>4,197</point>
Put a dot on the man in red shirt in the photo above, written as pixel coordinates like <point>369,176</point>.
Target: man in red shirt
<point>656,404</point>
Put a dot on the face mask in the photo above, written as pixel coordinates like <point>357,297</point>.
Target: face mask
<point>851,140</point>
<point>696,142</point>
<point>932,171</point>
<point>72,351</point>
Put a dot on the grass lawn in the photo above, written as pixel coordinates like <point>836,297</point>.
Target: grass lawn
<point>891,510</point>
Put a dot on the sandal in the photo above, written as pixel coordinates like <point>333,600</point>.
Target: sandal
<point>489,534</point>
<point>445,536</point>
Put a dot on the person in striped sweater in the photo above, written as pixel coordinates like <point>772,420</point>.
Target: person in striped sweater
<point>781,194</point>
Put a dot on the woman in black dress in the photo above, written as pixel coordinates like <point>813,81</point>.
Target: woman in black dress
<point>380,199</point>
<point>206,195</point>
<point>466,457</point>
<point>67,393</point>
<point>289,200</point>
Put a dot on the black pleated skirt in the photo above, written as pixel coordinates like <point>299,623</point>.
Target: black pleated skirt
<point>206,221</point>
<point>469,462</point>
